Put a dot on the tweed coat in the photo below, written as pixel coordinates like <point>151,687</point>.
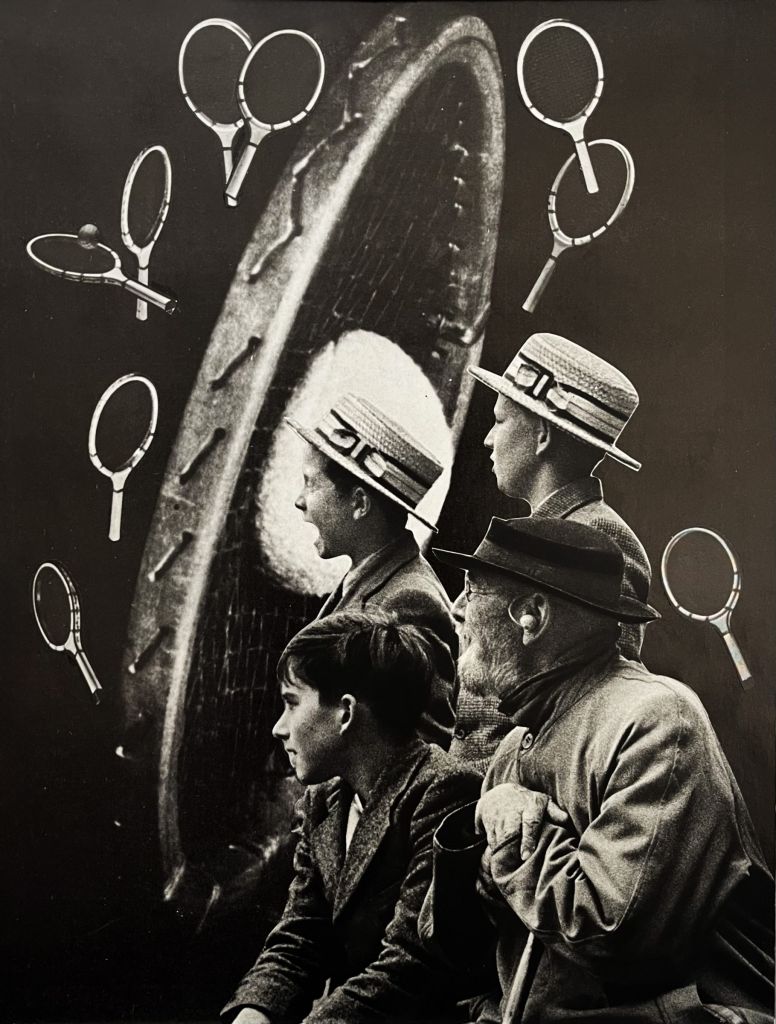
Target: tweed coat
<point>352,917</point>
<point>479,726</point>
<point>651,901</point>
<point>400,580</point>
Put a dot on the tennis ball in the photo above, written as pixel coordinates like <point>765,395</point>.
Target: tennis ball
<point>88,236</point>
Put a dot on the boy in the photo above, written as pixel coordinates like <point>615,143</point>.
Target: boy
<point>354,686</point>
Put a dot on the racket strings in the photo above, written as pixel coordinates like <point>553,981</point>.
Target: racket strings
<point>147,200</point>
<point>212,62</point>
<point>560,73</point>
<point>579,214</point>
<point>388,270</point>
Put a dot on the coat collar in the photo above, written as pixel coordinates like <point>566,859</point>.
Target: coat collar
<point>342,873</point>
<point>569,498</point>
<point>379,567</point>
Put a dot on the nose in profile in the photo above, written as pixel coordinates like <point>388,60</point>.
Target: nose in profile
<point>488,442</point>
<point>300,503</point>
<point>279,729</point>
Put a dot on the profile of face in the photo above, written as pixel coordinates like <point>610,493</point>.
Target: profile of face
<point>489,643</point>
<point>325,506</point>
<point>311,731</point>
<point>512,443</point>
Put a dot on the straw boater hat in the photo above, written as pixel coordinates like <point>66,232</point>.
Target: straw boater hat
<point>571,388</point>
<point>376,450</point>
<point>559,555</point>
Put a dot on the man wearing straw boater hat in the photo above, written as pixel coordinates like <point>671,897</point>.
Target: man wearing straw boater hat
<point>363,475</point>
<point>560,409</point>
<point>616,856</point>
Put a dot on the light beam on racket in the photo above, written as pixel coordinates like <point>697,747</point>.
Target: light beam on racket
<point>562,241</point>
<point>250,77</point>
<point>222,47</point>
<point>561,79</point>
<point>65,256</point>
<point>58,614</point>
<point>143,216</point>
<point>721,619</point>
<point>118,477</point>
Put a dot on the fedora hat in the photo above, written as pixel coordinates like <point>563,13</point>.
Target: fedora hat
<point>567,558</point>
<point>360,438</point>
<point>570,387</point>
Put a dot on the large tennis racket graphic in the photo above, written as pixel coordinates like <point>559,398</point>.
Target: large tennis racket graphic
<point>385,220</point>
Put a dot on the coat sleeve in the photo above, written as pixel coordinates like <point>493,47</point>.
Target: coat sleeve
<point>658,857</point>
<point>405,974</point>
<point>292,969</point>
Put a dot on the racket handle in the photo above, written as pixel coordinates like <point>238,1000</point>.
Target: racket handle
<point>88,673</point>
<point>142,305</point>
<point>591,183</point>
<point>541,283</point>
<point>116,505</point>
<point>226,149</point>
<point>141,291</point>
<point>738,660</point>
<point>235,183</point>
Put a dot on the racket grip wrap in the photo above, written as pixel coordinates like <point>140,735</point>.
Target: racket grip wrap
<point>542,281</point>
<point>88,673</point>
<point>583,154</point>
<point>140,291</point>
<point>738,660</point>
<point>235,183</point>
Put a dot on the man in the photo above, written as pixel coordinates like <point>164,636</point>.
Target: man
<point>353,687</point>
<point>621,868</point>
<point>362,476</point>
<point>560,410</point>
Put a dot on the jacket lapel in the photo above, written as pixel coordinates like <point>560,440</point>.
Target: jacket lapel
<point>331,602</point>
<point>375,821</point>
<point>329,839</point>
<point>392,558</point>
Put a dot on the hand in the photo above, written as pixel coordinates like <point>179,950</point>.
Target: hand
<point>250,1015</point>
<point>511,810</point>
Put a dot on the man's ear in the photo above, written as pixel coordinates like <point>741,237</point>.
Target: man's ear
<point>532,614</point>
<point>543,436</point>
<point>347,711</point>
<point>361,502</point>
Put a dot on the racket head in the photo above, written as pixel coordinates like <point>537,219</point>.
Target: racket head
<point>209,63</point>
<point>145,200</point>
<point>129,463</point>
<point>721,615</point>
<point>568,97</point>
<point>592,206</point>
<point>261,80</point>
<point>94,265</point>
<point>56,606</point>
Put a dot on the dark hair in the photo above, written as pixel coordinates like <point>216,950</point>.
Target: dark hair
<point>385,663</point>
<point>344,481</point>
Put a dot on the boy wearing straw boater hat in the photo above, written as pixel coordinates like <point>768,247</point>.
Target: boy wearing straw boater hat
<point>615,854</point>
<point>560,409</point>
<point>363,475</point>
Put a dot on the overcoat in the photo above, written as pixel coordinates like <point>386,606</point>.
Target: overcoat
<point>352,917</point>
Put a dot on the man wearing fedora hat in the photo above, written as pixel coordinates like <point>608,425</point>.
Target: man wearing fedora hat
<point>619,866</point>
<point>560,410</point>
<point>363,475</point>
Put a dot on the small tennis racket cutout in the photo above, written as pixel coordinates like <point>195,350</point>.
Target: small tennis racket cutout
<point>58,614</point>
<point>269,98</point>
<point>74,259</point>
<point>561,78</point>
<point>145,202</point>
<point>720,619</point>
<point>118,477</point>
<point>209,63</point>
<point>562,240</point>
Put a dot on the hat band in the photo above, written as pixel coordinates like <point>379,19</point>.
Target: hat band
<point>566,402</point>
<point>371,460</point>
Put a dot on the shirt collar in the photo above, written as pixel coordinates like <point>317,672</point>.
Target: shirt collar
<point>569,497</point>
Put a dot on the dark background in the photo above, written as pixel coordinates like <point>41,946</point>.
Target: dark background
<point>679,295</point>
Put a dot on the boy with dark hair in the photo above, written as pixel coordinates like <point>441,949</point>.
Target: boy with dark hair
<point>354,686</point>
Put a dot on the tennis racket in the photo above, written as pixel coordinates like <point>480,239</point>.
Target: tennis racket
<point>65,256</point>
<point>269,99</point>
<point>118,477</point>
<point>58,614</point>
<point>145,202</point>
<point>209,63</point>
<point>561,79</point>
<point>719,619</point>
<point>587,212</point>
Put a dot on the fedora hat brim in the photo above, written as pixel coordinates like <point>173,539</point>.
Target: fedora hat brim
<point>498,383</point>
<point>625,609</point>
<point>314,438</point>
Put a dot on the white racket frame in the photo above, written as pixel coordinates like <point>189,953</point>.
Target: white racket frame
<point>225,130</point>
<point>113,276</point>
<point>576,126</point>
<point>721,619</point>
<point>72,644</point>
<point>259,129</point>
<point>143,252</point>
<point>562,241</point>
<point>118,477</point>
